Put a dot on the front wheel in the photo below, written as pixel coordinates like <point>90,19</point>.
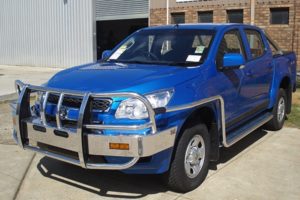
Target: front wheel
<point>279,112</point>
<point>189,166</point>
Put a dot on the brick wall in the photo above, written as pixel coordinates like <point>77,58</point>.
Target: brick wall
<point>287,35</point>
<point>282,34</point>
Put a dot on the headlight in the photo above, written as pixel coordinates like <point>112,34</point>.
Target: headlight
<point>135,109</point>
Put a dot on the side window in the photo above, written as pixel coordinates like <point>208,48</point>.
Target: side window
<point>273,48</point>
<point>231,43</point>
<point>166,47</point>
<point>257,47</point>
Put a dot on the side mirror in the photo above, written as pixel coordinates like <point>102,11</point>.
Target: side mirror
<point>106,54</point>
<point>233,61</point>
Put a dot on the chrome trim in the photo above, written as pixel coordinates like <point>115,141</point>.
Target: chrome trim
<point>143,145</point>
<point>241,136</point>
<point>80,133</point>
<point>18,86</point>
<point>113,166</point>
<point>49,138</point>
<point>78,163</point>
<point>225,141</point>
<point>54,155</point>
<point>194,104</point>
<point>202,102</point>
<point>43,109</point>
<point>140,146</point>
<point>118,127</point>
<point>88,165</point>
<point>58,108</point>
<point>18,121</point>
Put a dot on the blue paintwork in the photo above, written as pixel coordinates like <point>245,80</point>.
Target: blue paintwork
<point>106,54</point>
<point>241,91</point>
<point>233,60</point>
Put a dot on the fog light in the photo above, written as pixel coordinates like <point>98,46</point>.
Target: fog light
<point>119,146</point>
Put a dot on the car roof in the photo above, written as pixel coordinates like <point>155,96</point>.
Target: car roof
<point>209,26</point>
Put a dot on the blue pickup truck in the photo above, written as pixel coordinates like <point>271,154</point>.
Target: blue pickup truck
<point>162,102</point>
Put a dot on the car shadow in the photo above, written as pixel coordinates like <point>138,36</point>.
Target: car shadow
<point>115,184</point>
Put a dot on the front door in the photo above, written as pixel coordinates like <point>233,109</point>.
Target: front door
<point>231,79</point>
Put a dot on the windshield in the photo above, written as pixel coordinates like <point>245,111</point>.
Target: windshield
<point>171,47</point>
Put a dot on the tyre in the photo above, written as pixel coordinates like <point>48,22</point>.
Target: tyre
<point>279,112</point>
<point>189,166</point>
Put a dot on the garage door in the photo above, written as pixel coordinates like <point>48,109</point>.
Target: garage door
<point>121,9</point>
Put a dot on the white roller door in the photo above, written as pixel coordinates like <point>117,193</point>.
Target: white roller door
<point>121,9</point>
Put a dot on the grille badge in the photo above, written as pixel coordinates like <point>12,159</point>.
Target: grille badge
<point>63,113</point>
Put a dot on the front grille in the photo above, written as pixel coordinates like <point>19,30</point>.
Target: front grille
<point>52,98</point>
<point>97,104</point>
<point>73,102</point>
<point>101,105</point>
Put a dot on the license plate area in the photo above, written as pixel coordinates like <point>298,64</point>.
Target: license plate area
<point>52,136</point>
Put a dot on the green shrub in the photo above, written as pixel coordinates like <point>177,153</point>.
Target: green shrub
<point>294,117</point>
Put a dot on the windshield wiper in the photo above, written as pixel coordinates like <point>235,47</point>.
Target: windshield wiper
<point>184,64</point>
<point>132,61</point>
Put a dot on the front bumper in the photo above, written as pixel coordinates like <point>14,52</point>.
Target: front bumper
<point>78,146</point>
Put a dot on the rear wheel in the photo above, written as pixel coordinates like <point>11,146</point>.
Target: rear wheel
<point>279,112</point>
<point>190,164</point>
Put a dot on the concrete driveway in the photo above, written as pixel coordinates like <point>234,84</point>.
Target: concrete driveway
<point>261,166</point>
<point>31,75</point>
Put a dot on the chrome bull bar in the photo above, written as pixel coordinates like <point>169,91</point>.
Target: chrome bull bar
<point>140,143</point>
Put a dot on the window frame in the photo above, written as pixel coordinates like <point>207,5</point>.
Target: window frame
<point>279,9</point>
<point>251,58</point>
<point>234,10</point>
<point>240,38</point>
<point>177,13</point>
<point>206,12</point>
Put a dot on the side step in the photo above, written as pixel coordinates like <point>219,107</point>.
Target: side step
<point>246,129</point>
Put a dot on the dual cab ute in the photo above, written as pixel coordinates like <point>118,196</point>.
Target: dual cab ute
<point>162,102</point>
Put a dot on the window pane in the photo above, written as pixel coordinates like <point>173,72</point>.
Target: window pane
<point>231,43</point>
<point>178,18</point>
<point>165,47</point>
<point>235,16</point>
<point>279,16</point>
<point>205,17</point>
<point>255,42</point>
<point>273,48</point>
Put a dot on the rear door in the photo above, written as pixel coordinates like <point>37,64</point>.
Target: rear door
<point>257,73</point>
